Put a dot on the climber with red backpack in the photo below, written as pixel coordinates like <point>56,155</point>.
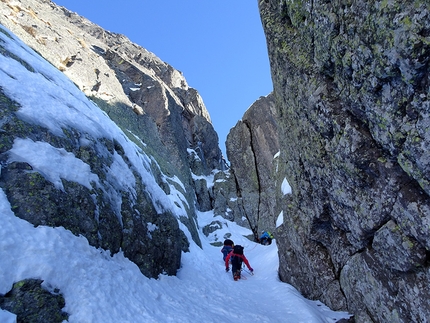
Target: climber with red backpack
<point>236,257</point>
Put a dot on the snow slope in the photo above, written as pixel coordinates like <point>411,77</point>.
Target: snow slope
<point>98,287</point>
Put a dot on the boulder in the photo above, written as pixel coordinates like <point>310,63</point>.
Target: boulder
<point>33,303</point>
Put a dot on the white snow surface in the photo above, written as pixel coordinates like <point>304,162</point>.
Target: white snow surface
<point>280,219</point>
<point>42,156</point>
<point>285,187</point>
<point>101,288</point>
<point>98,287</point>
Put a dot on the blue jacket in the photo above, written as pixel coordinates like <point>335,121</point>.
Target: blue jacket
<point>266,235</point>
<point>226,250</point>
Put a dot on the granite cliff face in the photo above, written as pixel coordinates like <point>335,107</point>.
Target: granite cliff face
<point>148,100</point>
<point>65,164</point>
<point>251,148</point>
<point>122,77</point>
<point>351,85</point>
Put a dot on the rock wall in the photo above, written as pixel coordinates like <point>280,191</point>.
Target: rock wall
<point>121,77</point>
<point>72,167</point>
<point>351,84</point>
<point>251,148</point>
<point>155,108</point>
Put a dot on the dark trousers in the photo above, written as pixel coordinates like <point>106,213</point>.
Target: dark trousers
<point>236,268</point>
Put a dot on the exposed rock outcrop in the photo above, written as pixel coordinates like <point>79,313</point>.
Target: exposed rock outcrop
<point>351,84</point>
<point>251,148</point>
<point>141,93</point>
<point>34,304</point>
<point>99,185</point>
<point>152,104</point>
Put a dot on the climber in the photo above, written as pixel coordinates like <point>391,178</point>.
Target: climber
<point>236,257</point>
<point>228,246</point>
<point>266,238</point>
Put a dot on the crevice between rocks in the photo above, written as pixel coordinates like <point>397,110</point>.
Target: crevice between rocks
<point>249,127</point>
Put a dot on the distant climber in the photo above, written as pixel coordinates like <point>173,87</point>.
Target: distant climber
<point>266,238</point>
<point>228,246</point>
<point>236,257</point>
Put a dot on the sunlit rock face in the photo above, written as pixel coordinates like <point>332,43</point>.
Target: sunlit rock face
<point>138,90</point>
<point>165,120</point>
<point>65,163</point>
<point>351,85</point>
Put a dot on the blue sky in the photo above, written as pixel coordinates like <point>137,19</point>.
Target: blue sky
<point>219,46</point>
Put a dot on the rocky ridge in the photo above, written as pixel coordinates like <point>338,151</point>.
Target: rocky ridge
<point>149,100</point>
<point>96,187</point>
<point>122,77</point>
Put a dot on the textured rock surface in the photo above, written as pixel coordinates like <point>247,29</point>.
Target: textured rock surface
<point>351,83</point>
<point>106,212</point>
<point>148,99</point>
<point>33,304</point>
<point>251,148</point>
<point>141,93</point>
<point>154,106</point>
